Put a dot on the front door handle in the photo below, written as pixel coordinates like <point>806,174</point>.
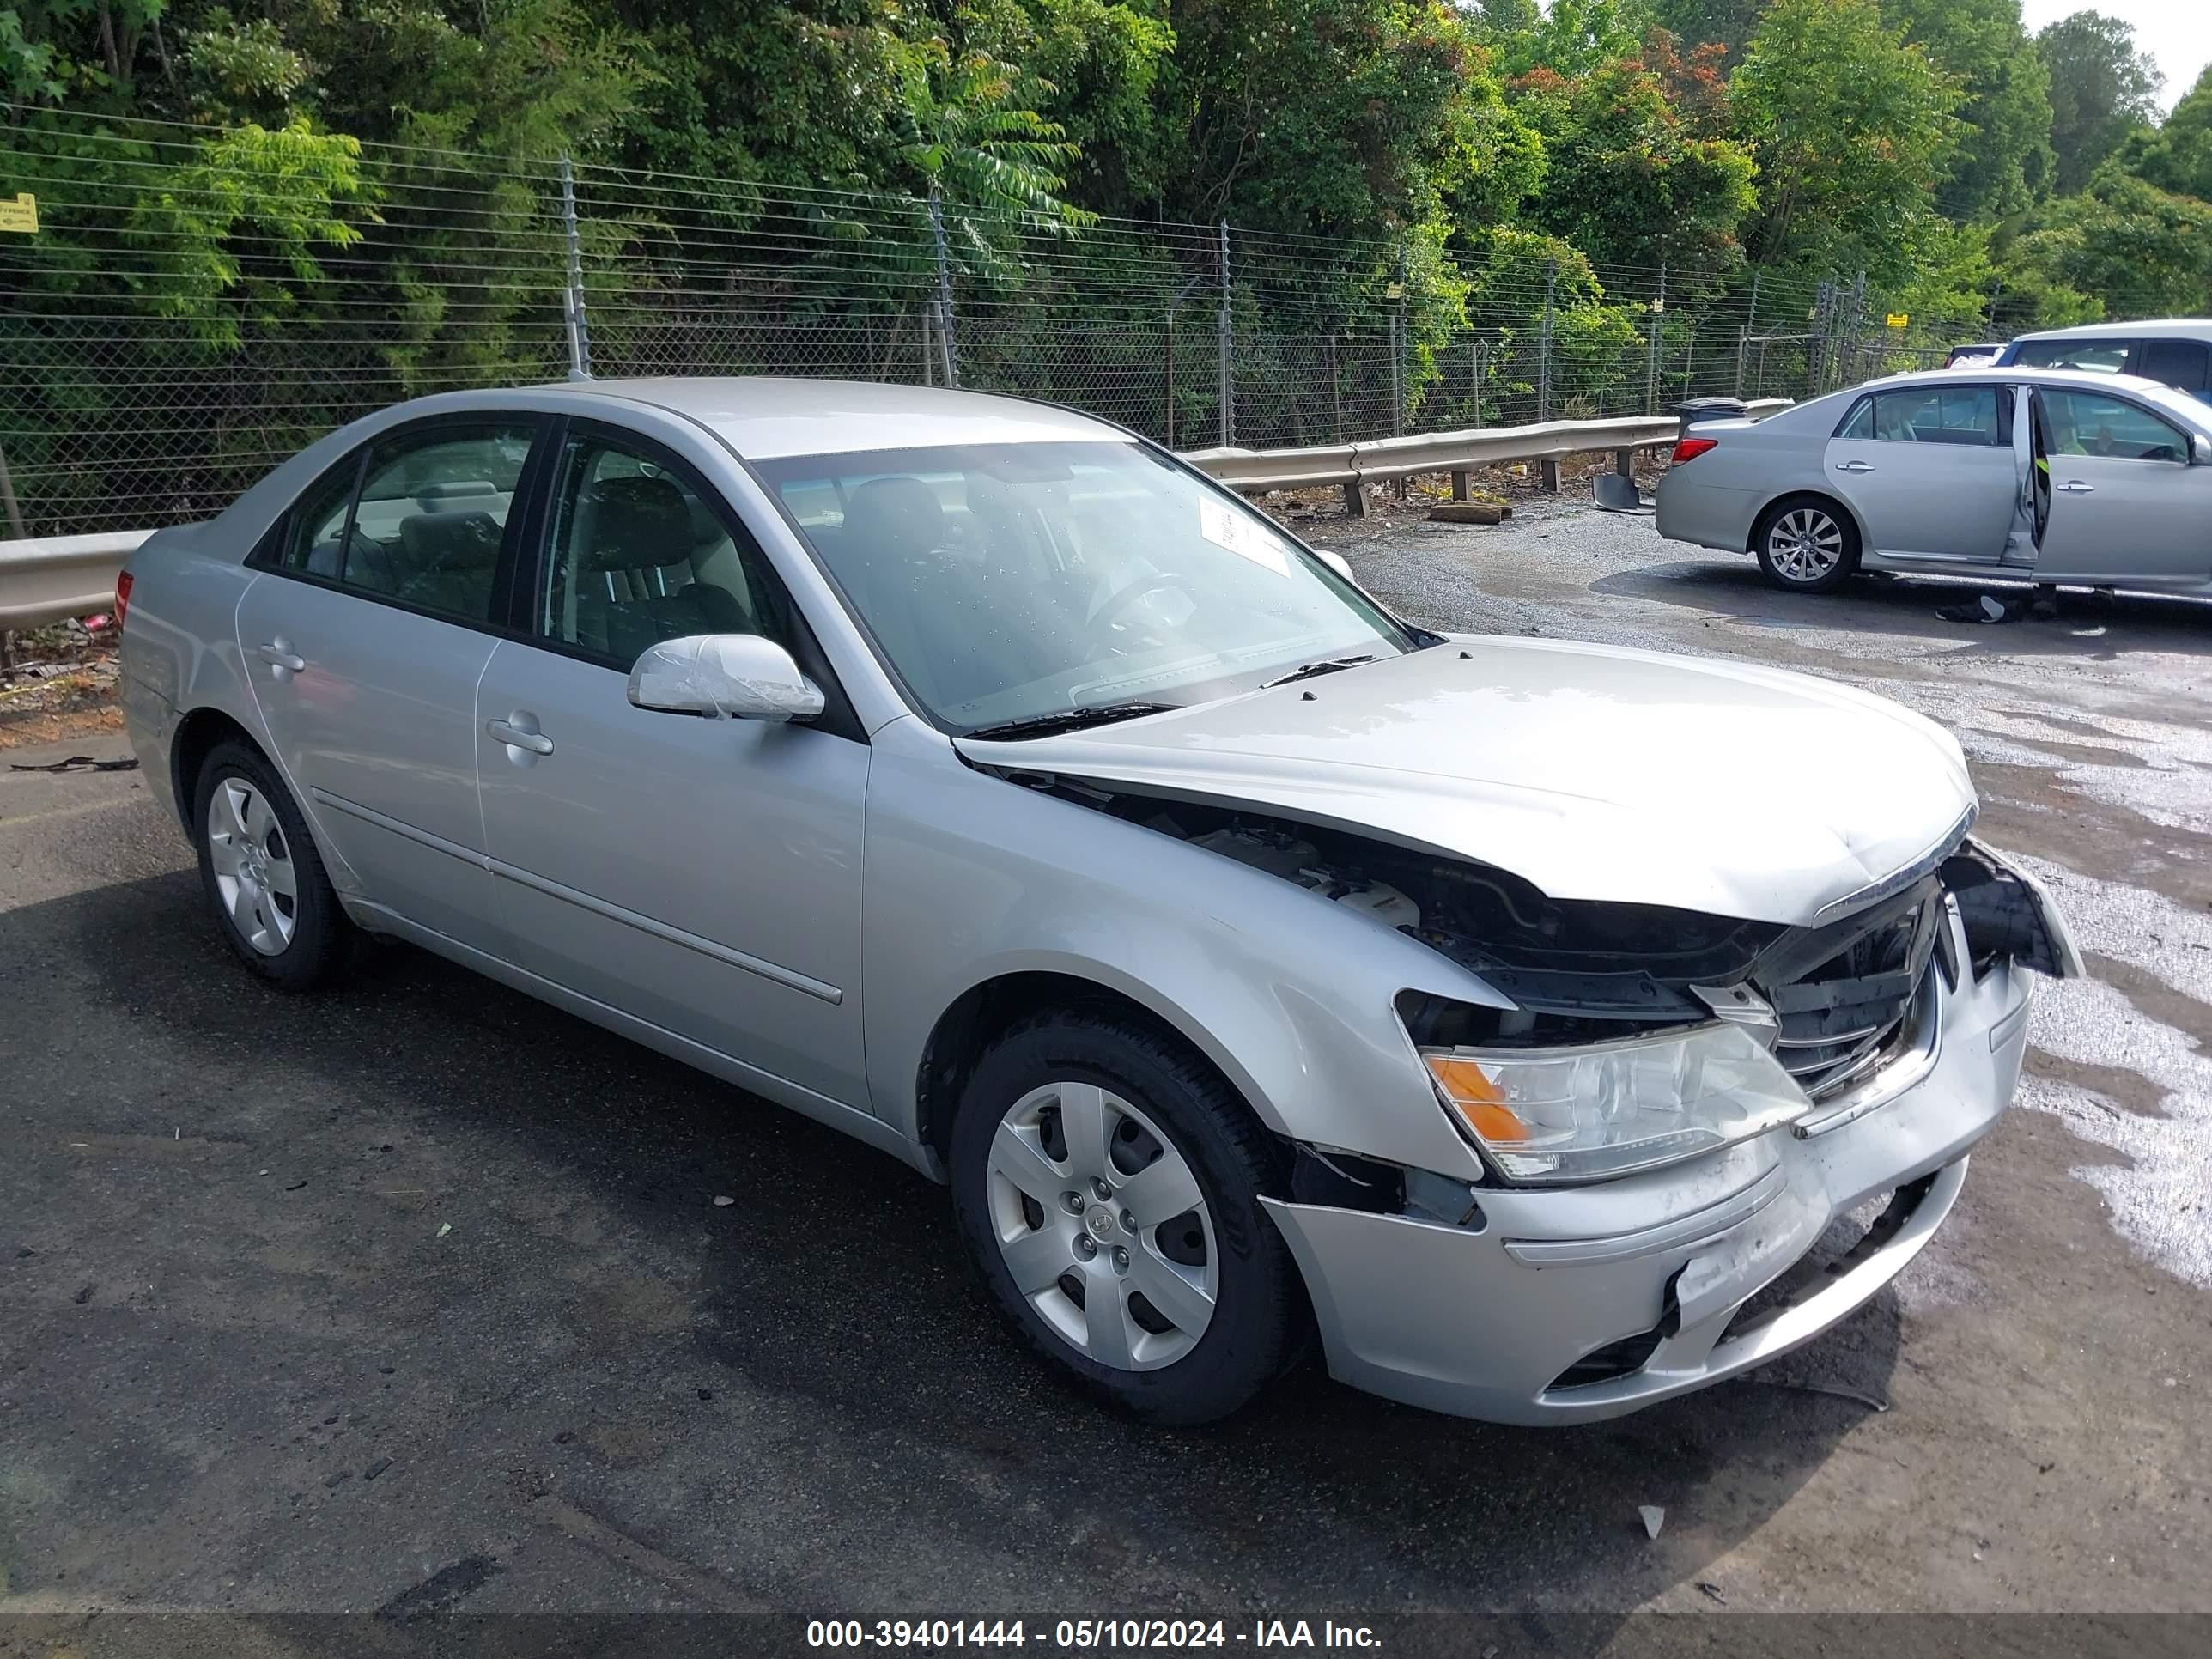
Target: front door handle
<point>2075,487</point>
<point>1854,467</point>
<point>280,656</point>
<point>519,731</point>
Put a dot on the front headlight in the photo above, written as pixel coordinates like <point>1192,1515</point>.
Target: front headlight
<point>1609,1108</point>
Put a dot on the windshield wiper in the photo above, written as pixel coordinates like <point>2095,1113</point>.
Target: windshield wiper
<point>1068,720</point>
<point>1307,670</point>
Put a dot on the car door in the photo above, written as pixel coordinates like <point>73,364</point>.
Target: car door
<point>1929,471</point>
<point>2126,504</point>
<point>701,875</point>
<point>365,636</point>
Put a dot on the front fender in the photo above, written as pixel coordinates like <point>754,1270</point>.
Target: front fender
<point>969,876</point>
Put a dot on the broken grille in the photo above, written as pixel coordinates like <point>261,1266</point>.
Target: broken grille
<point>1840,1016</point>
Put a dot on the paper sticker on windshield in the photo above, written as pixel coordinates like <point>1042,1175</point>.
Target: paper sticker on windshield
<point>1225,526</point>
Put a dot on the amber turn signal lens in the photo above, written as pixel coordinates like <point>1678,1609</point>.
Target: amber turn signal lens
<point>1476,1098</point>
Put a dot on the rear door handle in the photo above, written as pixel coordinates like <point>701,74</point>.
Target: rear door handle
<point>280,656</point>
<point>1854,467</point>
<point>2075,487</point>
<point>517,736</point>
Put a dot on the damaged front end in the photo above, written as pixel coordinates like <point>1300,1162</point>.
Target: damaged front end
<point>1639,1035</point>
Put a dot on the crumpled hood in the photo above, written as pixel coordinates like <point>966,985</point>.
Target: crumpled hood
<point>1593,771</point>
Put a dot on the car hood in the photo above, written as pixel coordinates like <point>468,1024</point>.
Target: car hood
<point>1593,771</point>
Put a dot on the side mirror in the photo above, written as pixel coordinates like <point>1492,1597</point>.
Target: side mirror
<point>2200,449</point>
<point>1336,562</point>
<point>726,677</point>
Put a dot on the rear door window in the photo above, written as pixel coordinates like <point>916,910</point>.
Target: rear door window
<point>1931,415</point>
<point>432,515</point>
<point>2179,363</point>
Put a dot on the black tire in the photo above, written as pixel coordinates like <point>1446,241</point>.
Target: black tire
<point>1767,535</point>
<point>322,936</point>
<point>1259,1319</point>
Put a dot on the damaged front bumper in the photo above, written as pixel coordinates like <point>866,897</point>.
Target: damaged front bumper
<point>1577,1304</point>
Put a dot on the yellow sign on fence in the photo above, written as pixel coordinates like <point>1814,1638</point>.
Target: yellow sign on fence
<point>22,213</point>
<point>1899,319</point>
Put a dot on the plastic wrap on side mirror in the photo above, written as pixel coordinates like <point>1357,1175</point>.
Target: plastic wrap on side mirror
<point>725,676</point>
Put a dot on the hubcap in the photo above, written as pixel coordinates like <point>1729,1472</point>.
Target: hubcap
<point>254,876</point>
<point>1101,1222</point>
<point>1805,544</point>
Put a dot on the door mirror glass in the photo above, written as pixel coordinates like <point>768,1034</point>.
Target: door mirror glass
<point>725,675</point>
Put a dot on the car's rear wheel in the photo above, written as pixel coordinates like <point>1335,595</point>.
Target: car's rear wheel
<point>1107,1185</point>
<point>1808,544</point>
<point>262,875</point>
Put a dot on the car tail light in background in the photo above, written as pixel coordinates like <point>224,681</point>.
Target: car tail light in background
<point>1688,449</point>
<point>122,598</point>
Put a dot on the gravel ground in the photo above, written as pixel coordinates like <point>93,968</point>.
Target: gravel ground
<point>414,1297</point>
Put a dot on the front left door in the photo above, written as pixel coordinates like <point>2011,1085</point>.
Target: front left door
<point>364,637</point>
<point>2126,504</point>
<point>1930,472</point>
<point>701,875</point>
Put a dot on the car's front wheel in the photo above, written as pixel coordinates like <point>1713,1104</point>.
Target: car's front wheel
<point>262,876</point>
<point>1107,1185</point>
<point>1807,544</point>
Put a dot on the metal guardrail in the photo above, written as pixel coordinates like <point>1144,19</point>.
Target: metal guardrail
<point>48,578</point>
<point>1380,460</point>
<point>45,579</point>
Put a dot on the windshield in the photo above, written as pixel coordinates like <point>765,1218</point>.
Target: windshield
<point>1005,583</point>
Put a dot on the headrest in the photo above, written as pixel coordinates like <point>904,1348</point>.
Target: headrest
<point>890,518</point>
<point>635,523</point>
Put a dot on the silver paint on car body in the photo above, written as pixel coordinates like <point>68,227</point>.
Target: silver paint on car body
<point>1950,509</point>
<point>1457,750</point>
<point>797,912</point>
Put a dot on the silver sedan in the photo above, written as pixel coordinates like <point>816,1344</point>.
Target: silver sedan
<point>979,779</point>
<point>2032,475</point>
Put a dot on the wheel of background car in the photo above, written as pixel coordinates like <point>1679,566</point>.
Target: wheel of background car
<point>1107,1184</point>
<point>1808,544</point>
<point>262,875</point>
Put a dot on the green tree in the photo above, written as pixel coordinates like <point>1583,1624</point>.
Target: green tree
<point>1851,126</point>
<point>1628,181</point>
<point>2123,248</point>
<point>1573,37</point>
<point>2178,156</point>
<point>1726,23</point>
<point>1348,118</point>
<point>2102,88</point>
<point>2003,162</point>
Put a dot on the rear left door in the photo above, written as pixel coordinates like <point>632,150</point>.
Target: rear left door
<point>365,635</point>
<point>1929,471</point>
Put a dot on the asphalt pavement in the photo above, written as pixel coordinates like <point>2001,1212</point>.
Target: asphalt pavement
<point>416,1296</point>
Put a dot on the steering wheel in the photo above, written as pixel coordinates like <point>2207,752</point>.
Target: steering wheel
<point>1125,597</point>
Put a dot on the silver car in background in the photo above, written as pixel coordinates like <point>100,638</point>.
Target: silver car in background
<point>979,781</point>
<point>2042,476</point>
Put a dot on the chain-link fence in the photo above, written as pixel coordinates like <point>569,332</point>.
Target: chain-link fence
<point>196,304</point>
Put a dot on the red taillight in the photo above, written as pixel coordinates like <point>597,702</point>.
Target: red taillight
<point>122,598</point>
<point>1688,449</point>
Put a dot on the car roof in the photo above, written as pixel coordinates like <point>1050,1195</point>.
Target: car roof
<point>765,417</point>
<point>2087,378</point>
<point>2195,328</point>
